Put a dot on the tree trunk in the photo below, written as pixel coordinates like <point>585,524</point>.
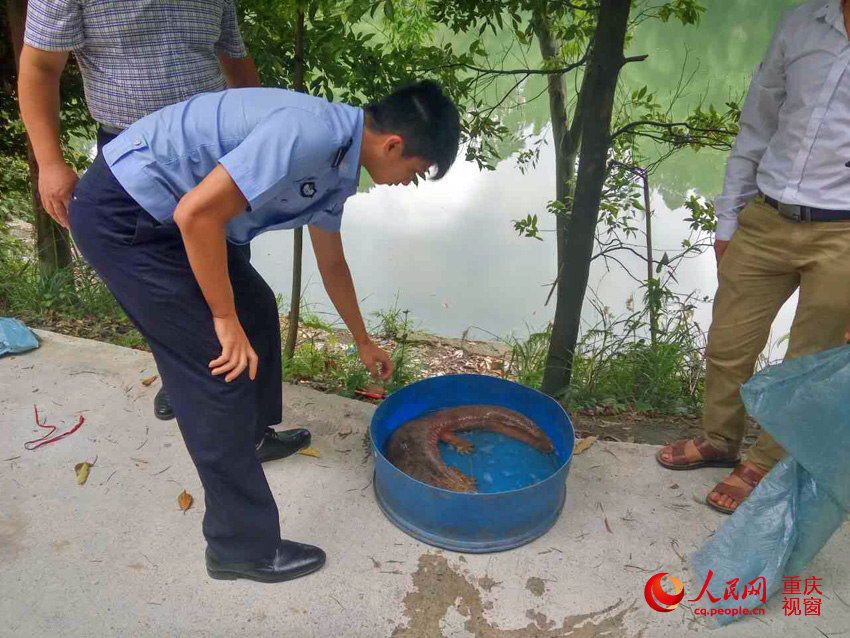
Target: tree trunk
<point>53,244</point>
<point>565,143</point>
<point>651,286</point>
<point>595,106</point>
<point>298,237</point>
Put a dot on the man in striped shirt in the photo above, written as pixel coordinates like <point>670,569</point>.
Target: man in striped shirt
<point>135,58</point>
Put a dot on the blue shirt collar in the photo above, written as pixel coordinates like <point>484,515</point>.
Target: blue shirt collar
<point>349,168</point>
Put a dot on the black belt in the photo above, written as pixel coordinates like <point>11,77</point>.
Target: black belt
<point>799,213</point>
<point>106,128</point>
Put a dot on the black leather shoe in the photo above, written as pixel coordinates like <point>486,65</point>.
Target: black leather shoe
<point>162,406</point>
<point>291,560</point>
<point>278,445</point>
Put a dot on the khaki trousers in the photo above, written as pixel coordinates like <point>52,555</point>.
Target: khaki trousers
<point>768,258</point>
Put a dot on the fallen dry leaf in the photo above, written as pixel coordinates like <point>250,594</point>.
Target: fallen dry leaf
<point>582,444</point>
<point>309,451</point>
<point>149,380</point>
<point>82,471</point>
<point>184,501</point>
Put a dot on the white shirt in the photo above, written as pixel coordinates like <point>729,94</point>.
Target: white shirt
<point>794,140</point>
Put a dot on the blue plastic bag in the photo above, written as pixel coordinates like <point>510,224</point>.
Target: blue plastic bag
<point>15,337</point>
<point>797,507</point>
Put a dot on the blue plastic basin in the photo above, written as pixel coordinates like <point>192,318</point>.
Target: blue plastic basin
<point>470,522</point>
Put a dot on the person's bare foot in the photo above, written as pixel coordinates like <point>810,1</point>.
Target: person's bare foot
<point>735,488</point>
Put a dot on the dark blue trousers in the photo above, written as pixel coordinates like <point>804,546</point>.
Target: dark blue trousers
<point>144,264</point>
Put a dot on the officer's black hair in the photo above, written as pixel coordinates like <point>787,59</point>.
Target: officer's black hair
<point>425,118</point>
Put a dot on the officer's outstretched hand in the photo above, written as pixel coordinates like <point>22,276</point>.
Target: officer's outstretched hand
<point>236,351</point>
<point>376,361</point>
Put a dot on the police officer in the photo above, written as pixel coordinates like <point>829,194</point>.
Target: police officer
<point>164,216</point>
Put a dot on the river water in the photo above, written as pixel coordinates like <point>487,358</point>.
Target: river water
<point>447,251</point>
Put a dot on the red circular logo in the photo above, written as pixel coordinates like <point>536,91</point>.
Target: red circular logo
<point>659,599</point>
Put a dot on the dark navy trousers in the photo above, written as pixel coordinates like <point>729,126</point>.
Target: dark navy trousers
<point>144,264</point>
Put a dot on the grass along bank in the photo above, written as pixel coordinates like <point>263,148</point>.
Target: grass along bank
<point>624,387</point>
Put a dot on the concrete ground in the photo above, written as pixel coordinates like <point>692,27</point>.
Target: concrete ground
<point>116,557</point>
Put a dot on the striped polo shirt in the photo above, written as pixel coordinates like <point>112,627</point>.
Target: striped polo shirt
<point>137,56</point>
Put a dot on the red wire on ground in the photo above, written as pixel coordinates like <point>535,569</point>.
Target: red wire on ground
<point>369,395</point>
<point>46,438</point>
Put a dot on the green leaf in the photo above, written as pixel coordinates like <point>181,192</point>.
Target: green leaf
<point>665,259</point>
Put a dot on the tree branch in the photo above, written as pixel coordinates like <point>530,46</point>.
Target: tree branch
<point>483,71</point>
<point>565,69</point>
<point>607,251</point>
<point>605,258</point>
<point>489,110</point>
<point>577,7</point>
<point>578,123</point>
<point>669,125</point>
<point>554,285</point>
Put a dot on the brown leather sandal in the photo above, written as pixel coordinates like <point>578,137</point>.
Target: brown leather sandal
<point>710,456</point>
<point>750,474</point>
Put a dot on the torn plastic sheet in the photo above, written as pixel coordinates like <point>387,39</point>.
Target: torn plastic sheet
<point>798,506</point>
<point>15,337</point>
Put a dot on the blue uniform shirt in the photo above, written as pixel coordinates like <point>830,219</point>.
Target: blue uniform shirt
<point>296,158</point>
